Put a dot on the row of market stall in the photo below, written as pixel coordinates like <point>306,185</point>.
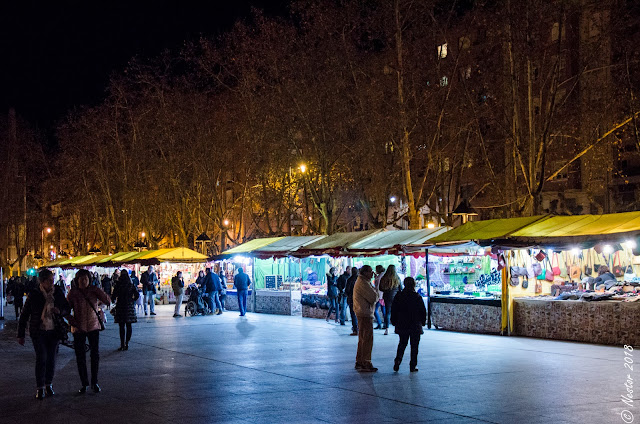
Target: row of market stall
<point>540,276</point>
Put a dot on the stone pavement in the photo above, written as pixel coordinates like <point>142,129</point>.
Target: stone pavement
<point>276,369</point>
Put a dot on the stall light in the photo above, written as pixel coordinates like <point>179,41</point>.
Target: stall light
<point>431,225</point>
<point>631,244</point>
<point>51,247</point>
<point>575,251</point>
<point>549,252</point>
<point>607,249</point>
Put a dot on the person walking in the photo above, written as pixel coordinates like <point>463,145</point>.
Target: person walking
<point>376,312</point>
<point>408,316</point>
<point>125,295</point>
<point>242,282</point>
<point>86,325</point>
<point>341,283</point>
<point>389,285</point>
<point>332,293</point>
<point>60,283</point>
<point>177,284</point>
<point>348,291</point>
<point>149,283</point>
<point>223,291</point>
<point>107,283</point>
<point>17,291</point>
<point>212,288</point>
<point>139,304</point>
<point>45,306</point>
<point>365,297</point>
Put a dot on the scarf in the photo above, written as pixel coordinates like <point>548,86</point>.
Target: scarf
<point>47,311</point>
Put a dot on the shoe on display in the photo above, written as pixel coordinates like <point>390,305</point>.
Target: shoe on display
<point>40,394</point>
<point>96,388</point>
<point>49,390</point>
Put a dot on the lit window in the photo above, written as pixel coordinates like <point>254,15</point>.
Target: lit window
<point>442,51</point>
<point>444,81</point>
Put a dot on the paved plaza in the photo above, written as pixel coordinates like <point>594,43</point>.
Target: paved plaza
<point>276,369</point>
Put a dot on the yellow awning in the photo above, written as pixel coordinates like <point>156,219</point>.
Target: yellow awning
<point>582,225</point>
<point>486,230</point>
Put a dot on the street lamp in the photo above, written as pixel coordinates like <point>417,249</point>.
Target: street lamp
<point>303,168</point>
<point>392,199</point>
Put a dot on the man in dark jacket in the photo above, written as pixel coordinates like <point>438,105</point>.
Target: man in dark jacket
<point>242,282</point>
<point>177,284</point>
<point>149,283</point>
<point>17,290</point>
<point>107,284</point>
<point>341,283</point>
<point>408,315</point>
<point>44,305</point>
<point>348,291</point>
<point>212,287</point>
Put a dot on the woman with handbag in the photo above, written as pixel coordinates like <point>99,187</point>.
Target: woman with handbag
<point>125,295</point>
<point>86,324</point>
<point>332,293</point>
<point>43,310</point>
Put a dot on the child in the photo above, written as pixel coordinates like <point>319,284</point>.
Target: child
<point>408,315</point>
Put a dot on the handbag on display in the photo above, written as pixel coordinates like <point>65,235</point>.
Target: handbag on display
<point>540,256</point>
<point>548,275</point>
<point>515,276</point>
<point>538,288</point>
<point>575,272</point>
<point>525,283</point>
<point>537,269</point>
<point>555,268</point>
<point>617,269</point>
<point>629,274</point>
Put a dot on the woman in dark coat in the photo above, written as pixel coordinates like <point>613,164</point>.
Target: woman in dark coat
<point>332,293</point>
<point>408,316</point>
<point>125,295</point>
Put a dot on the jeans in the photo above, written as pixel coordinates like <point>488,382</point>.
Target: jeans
<point>45,343</point>
<point>402,345</point>
<point>388,296</point>
<point>222,298</point>
<point>365,341</point>
<point>376,314</point>
<point>123,334</point>
<point>79,339</point>
<point>354,319</point>
<point>179,297</point>
<point>242,301</point>
<point>150,299</point>
<point>216,299</point>
<point>333,307</point>
<point>342,304</point>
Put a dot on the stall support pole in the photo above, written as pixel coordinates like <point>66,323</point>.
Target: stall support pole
<point>2,294</point>
<point>426,267</point>
<point>253,292</point>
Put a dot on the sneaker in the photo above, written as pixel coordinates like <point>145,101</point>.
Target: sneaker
<point>342,323</point>
<point>176,315</point>
<point>219,313</point>
<point>414,369</point>
<point>396,366</point>
<point>153,313</point>
<point>146,313</point>
<point>354,333</point>
<point>386,332</point>
<point>377,327</point>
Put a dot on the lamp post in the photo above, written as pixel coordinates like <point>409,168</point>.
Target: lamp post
<point>48,231</point>
<point>464,210</point>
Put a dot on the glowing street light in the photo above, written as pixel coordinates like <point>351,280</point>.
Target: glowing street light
<point>48,230</point>
<point>225,222</point>
<point>392,199</point>
<point>303,168</point>
<point>143,234</point>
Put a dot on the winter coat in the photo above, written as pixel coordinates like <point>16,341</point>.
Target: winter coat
<point>408,314</point>
<point>241,281</point>
<point>125,296</point>
<point>107,285</point>
<point>33,307</point>
<point>365,297</point>
<point>348,289</point>
<point>149,282</point>
<point>341,282</point>
<point>177,284</point>
<point>212,283</point>
<point>332,288</point>
<point>84,314</point>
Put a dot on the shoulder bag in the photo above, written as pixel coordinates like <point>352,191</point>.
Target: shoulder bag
<point>100,318</point>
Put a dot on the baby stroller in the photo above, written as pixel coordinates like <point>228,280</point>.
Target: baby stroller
<point>196,304</point>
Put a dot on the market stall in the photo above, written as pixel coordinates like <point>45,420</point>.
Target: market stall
<point>564,277</point>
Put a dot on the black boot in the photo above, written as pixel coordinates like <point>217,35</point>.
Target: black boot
<point>83,390</point>
<point>49,390</point>
<point>96,388</point>
<point>40,394</point>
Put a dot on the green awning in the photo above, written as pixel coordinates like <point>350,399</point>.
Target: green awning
<point>486,230</point>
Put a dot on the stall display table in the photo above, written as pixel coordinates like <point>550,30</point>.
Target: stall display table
<point>231,301</point>
<point>316,306</point>
<point>605,322</point>
<point>471,315</point>
<point>278,302</point>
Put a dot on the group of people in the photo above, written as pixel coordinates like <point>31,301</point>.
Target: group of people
<point>366,292</point>
<point>214,287</point>
<point>46,308</point>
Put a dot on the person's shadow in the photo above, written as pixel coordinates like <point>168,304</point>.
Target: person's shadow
<point>245,328</point>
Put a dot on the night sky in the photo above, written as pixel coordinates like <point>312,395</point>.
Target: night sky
<point>57,55</point>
